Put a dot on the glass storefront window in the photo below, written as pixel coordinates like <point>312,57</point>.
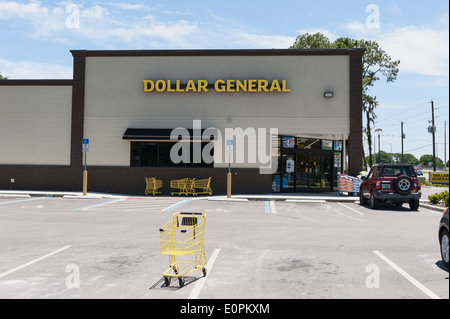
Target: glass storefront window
<point>306,164</point>
<point>308,143</point>
<point>157,154</point>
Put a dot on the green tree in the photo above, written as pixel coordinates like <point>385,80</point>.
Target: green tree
<point>376,63</point>
<point>410,159</point>
<point>312,41</point>
<point>3,77</point>
<point>383,157</point>
<point>407,158</point>
<point>427,158</point>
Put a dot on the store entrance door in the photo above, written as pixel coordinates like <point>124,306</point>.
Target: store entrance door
<point>307,172</point>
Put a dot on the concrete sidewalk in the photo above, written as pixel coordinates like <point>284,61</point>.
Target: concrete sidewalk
<point>31,193</point>
<point>289,197</point>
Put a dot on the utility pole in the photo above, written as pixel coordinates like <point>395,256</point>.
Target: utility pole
<point>433,132</point>
<point>445,146</point>
<point>403,137</point>
<point>378,130</point>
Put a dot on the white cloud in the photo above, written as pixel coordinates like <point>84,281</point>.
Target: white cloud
<point>98,24</point>
<point>34,70</point>
<point>237,35</point>
<point>249,40</point>
<point>12,9</point>
<point>130,6</point>
<point>421,49</point>
<point>106,26</point>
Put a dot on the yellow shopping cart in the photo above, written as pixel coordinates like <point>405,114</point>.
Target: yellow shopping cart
<point>182,239</point>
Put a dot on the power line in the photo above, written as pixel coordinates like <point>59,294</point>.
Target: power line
<point>419,148</point>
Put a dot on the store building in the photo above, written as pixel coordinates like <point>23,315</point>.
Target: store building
<point>300,108</point>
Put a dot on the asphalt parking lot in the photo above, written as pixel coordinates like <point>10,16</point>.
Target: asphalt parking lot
<point>109,248</point>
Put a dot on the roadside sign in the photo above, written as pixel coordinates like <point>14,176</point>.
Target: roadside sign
<point>85,144</point>
<point>438,177</point>
<point>229,146</point>
<point>337,159</point>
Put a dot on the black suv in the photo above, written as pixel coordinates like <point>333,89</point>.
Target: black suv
<point>396,183</point>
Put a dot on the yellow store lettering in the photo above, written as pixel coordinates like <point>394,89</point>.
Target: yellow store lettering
<point>220,86</point>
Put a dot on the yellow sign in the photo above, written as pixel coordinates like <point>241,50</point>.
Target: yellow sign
<point>438,177</point>
<point>254,85</point>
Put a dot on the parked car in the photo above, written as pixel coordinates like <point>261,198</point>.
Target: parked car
<point>395,183</point>
<point>443,238</point>
<point>419,172</point>
<point>361,174</point>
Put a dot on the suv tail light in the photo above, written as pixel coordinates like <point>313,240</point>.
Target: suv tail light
<point>378,185</point>
<point>418,186</point>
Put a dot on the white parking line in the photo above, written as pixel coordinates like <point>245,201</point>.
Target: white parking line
<point>351,209</point>
<point>201,282</point>
<point>33,261</point>
<point>100,204</point>
<point>272,207</point>
<point>305,201</point>
<point>424,289</point>
<point>23,200</point>
<point>176,205</point>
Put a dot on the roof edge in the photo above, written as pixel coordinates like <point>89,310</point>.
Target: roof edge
<point>218,52</point>
<point>36,82</point>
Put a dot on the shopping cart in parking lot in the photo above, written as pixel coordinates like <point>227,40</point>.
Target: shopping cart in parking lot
<point>182,238</point>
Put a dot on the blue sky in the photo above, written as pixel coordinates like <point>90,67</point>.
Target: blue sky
<point>36,36</point>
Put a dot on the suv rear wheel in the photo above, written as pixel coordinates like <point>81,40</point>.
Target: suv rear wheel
<point>374,202</point>
<point>414,204</point>
<point>362,199</point>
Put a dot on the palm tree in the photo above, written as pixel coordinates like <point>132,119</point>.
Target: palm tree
<point>369,105</point>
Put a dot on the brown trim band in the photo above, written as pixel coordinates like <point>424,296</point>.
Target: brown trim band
<point>256,52</point>
<point>355,146</point>
<point>35,82</point>
<point>127,180</point>
<point>79,72</point>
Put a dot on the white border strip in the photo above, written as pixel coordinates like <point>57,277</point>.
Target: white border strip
<point>201,282</point>
<point>424,289</point>
<point>33,261</point>
<point>176,205</point>
<point>23,200</point>
<point>351,209</point>
<point>100,204</point>
<point>305,201</point>
<point>272,207</point>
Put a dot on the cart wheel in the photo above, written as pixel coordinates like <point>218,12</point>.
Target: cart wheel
<point>167,281</point>
<point>181,281</point>
<point>204,271</point>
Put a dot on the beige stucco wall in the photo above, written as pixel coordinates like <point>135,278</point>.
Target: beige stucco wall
<point>115,99</point>
<point>35,125</point>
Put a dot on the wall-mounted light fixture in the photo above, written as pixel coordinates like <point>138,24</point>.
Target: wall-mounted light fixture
<point>328,95</point>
